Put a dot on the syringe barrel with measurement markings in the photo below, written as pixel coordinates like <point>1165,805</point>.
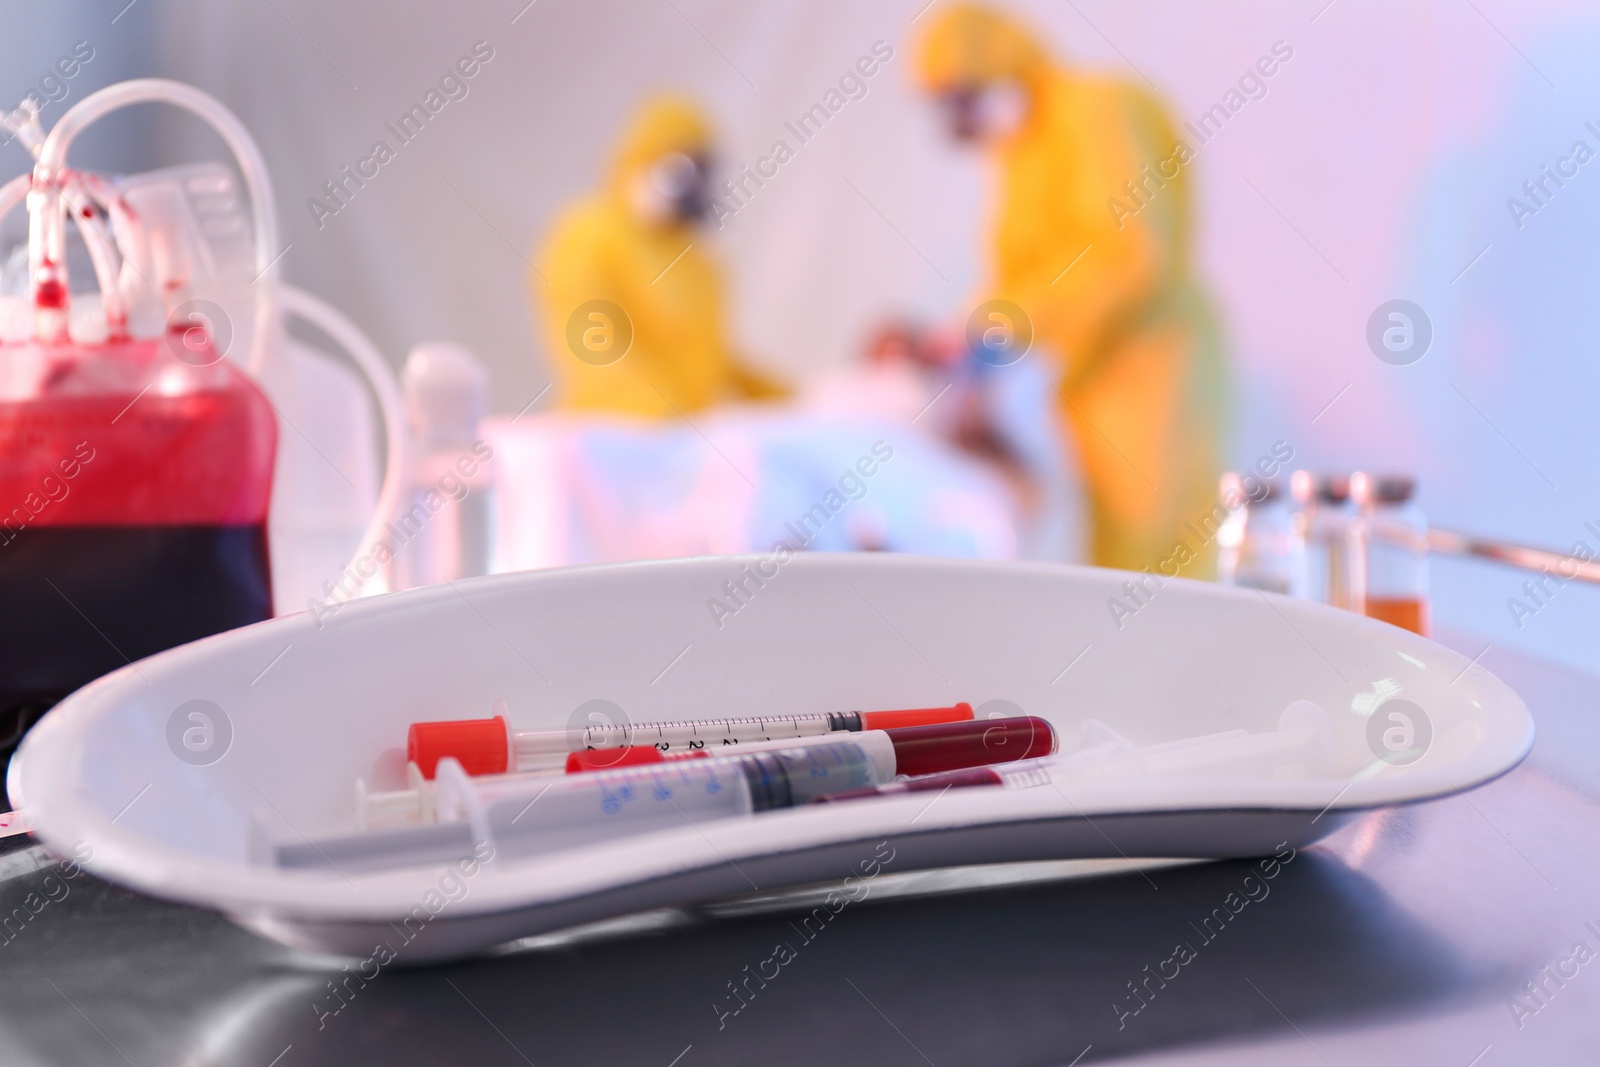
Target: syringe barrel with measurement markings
<point>909,750</point>
<point>490,746</point>
<point>512,818</point>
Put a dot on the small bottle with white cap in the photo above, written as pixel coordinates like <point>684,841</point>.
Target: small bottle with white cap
<point>445,529</point>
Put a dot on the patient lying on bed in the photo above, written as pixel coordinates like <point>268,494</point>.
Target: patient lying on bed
<point>902,452</point>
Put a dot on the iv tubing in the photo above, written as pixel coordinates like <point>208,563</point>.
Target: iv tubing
<point>100,248</point>
<point>370,361</point>
<point>50,248</point>
<point>47,245</point>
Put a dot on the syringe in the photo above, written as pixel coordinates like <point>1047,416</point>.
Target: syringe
<point>912,750</point>
<point>510,818</point>
<point>490,746</point>
<point>1304,737</point>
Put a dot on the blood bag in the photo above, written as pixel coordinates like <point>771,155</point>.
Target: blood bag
<point>135,475</point>
<point>138,443</point>
<point>135,478</point>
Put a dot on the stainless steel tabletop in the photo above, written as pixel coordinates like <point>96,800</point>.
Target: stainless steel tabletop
<point>1407,937</point>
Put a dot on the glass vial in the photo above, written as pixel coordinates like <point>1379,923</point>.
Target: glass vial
<point>1329,526</point>
<point>1396,534</point>
<point>1258,544</point>
<point>445,529</point>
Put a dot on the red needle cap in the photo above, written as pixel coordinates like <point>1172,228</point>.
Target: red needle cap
<point>482,745</point>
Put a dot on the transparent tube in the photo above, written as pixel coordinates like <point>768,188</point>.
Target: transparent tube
<point>510,819</point>
<point>102,254</point>
<point>47,238</point>
<point>125,228</point>
<point>102,249</point>
<point>372,365</point>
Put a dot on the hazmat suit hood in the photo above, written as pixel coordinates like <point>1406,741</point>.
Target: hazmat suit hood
<point>661,128</point>
<point>970,45</point>
<point>632,302</point>
<point>1089,246</point>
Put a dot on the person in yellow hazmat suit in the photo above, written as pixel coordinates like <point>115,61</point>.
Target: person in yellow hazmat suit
<point>1091,241</point>
<point>632,302</point>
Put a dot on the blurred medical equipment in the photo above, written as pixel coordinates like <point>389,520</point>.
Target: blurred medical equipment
<point>1542,560</point>
<point>632,304</point>
<point>154,453</point>
<point>1395,546</point>
<point>1328,524</point>
<point>1364,545</point>
<point>1109,294</point>
<point>447,520</point>
<point>1258,544</point>
<point>1359,542</point>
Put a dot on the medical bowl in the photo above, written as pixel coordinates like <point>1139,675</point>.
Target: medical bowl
<point>301,706</point>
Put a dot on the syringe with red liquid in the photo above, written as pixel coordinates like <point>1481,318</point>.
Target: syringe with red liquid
<point>1304,744</point>
<point>490,746</point>
<point>912,750</point>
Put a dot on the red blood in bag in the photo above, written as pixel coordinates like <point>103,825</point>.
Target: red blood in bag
<point>133,504</point>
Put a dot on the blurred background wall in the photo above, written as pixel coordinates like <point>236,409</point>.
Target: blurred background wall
<point>1378,165</point>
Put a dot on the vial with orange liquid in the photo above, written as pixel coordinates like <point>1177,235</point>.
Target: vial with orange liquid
<point>1396,536</point>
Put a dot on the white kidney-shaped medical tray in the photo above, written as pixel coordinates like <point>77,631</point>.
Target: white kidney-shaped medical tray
<point>303,706</point>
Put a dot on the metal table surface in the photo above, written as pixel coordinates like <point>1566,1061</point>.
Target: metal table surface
<point>1407,937</point>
